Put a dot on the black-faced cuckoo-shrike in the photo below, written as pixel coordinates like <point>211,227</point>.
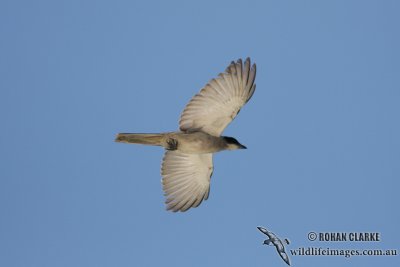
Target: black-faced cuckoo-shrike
<point>187,165</point>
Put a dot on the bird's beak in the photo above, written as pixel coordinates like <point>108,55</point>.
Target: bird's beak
<point>242,147</point>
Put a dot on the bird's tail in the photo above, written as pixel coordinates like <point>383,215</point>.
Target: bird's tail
<point>140,138</point>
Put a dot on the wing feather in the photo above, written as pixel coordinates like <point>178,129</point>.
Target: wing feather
<point>218,103</point>
<point>186,179</point>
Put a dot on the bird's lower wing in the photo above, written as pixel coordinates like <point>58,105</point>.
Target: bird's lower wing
<point>186,179</point>
<point>284,257</point>
<point>218,103</point>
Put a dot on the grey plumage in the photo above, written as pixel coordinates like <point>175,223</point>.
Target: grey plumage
<point>187,164</point>
<point>275,241</point>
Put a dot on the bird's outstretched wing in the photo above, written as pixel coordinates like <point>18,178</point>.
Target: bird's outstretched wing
<point>218,103</point>
<point>284,257</point>
<point>266,232</point>
<point>186,179</point>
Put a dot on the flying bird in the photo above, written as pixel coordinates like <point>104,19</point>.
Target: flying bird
<point>187,165</point>
<point>273,240</point>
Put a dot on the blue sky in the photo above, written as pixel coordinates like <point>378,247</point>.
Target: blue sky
<point>322,130</point>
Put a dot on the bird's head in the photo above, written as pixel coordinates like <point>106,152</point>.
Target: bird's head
<point>232,143</point>
<point>267,242</point>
